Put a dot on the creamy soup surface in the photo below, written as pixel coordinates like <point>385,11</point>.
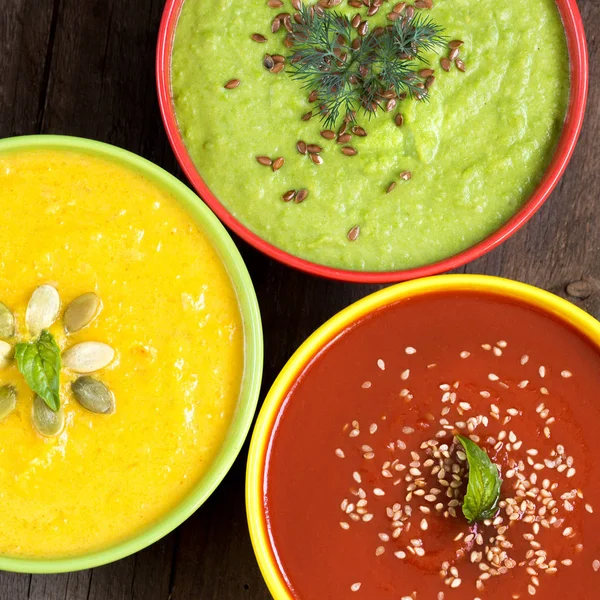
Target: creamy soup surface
<point>170,312</point>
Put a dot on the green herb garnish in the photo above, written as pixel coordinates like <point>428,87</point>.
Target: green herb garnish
<point>483,490</point>
<point>349,72</point>
<point>39,362</point>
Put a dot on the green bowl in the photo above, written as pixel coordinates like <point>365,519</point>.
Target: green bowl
<point>253,347</point>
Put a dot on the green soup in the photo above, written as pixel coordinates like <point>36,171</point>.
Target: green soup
<point>476,150</point>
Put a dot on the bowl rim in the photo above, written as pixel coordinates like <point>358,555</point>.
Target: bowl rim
<point>559,308</point>
<point>578,59</point>
<point>253,350</point>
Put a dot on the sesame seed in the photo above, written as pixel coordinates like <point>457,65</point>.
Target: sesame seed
<point>378,492</point>
<point>381,364</point>
<point>340,453</point>
<point>405,374</point>
<point>465,354</point>
<point>356,476</point>
<point>566,374</point>
<point>366,385</point>
<point>344,525</point>
<point>542,371</point>
<point>596,565</point>
<point>524,359</point>
<point>355,586</point>
<point>493,377</point>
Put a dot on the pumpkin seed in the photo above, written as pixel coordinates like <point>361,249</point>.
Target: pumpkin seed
<point>6,351</point>
<point>7,322</point>
<point>8,400</point>
<point>81,312</point>
<point>93,395</point>
<point>42,309</point>
<point>45,420</point>
<point>88,357</point>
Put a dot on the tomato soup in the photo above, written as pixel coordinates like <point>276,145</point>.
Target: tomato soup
<point>145,316</point>
<point>365,479</point>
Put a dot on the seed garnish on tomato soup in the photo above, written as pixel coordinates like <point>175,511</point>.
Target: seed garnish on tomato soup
<point>364,479</point>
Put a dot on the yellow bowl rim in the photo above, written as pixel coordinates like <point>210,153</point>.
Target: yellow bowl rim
<point>549,303</point>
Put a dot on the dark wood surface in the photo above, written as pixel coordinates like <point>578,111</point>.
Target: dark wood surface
<point>86,68</point>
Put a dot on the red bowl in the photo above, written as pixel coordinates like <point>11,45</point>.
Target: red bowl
<point>577,46</point>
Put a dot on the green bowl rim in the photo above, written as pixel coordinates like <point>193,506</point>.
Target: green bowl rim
<point>253,349</point>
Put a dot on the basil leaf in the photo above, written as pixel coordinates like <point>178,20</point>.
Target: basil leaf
<point>39,362</point>
<point>483,490</point>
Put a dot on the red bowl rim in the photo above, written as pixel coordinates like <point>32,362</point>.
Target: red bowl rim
<point>577,47</point>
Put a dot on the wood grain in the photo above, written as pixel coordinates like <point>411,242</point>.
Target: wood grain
<point>86,68</point>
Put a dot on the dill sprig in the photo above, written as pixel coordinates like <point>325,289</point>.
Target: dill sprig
<point>350,72</point>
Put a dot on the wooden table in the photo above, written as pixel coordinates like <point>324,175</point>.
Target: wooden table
<point>86,68</point>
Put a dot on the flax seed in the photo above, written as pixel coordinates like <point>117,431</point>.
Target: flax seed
<point>289,195</point>
<point>301,197</point>
<point>354,233</point>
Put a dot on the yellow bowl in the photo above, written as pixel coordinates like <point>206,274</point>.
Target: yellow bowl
<point>525,294</point>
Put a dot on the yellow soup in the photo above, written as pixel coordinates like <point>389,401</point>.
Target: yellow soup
<point>83,224</point>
